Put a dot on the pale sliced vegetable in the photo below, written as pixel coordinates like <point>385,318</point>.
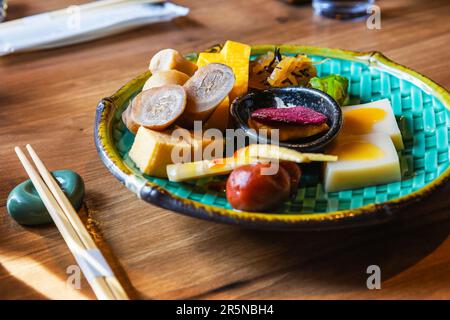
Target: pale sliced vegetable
<point>163,77</point>
<point>205,168</point>
<point>321,157</point>
<point>205,90</point>
<point>251,154</point>
<point>169,59</point>
<point>156,108</point>
<point>274,152</point>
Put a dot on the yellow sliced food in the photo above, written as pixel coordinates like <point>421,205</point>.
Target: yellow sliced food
<point>251,154</point>
<point>219,119</point>
<point>205,168</point>
<point>237,56</point>
<point>169,59</point>
<point>292,71</point>
<point>281,72</point>
<point>205,58</point>
<point>152,150</point>
<point>163,77</point>
<point>271,151</point>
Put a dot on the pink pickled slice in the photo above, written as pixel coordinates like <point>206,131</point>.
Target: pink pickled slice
<point>294,115</point>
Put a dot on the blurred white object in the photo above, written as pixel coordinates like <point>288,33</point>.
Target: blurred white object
<point>82,23</point>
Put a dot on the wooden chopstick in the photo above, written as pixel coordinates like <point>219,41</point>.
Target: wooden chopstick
<point>72,230</point>
<point>74,219</point>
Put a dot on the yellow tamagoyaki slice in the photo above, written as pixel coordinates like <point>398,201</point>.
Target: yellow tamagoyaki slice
<point>237,56</point>
<point>163,77</point>
<point>169,59</point>
<point>205,58</point>
<point>152,150</point>
<point>205,90</point>
<point>156,108</point>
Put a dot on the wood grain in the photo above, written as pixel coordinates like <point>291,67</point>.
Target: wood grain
<point>48,99</point>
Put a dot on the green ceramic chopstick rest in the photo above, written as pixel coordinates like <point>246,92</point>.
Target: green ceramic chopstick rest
<point>26,207</point>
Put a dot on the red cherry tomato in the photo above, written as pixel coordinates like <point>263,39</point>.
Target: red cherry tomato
<point>249,190</point>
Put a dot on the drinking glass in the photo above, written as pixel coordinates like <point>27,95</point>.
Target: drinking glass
<point>342,9</point>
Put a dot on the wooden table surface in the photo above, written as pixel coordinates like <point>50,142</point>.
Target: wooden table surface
<point>48,99</point>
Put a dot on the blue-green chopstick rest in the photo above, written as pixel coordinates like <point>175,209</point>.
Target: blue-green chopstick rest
<point>26,207</point>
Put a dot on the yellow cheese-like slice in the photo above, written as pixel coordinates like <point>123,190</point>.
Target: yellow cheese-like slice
<point>219,119</point>
<point>237,56</point>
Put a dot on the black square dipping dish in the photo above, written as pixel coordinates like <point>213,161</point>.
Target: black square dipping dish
<point>242,108</point>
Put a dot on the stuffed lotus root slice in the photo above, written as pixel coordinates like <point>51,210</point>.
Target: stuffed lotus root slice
<point>205,90</point>
<point>156,108</point>
<point>164,77</point>
<point>170,59</point>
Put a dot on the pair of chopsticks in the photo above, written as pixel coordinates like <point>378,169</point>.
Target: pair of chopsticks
<point>91,261</point>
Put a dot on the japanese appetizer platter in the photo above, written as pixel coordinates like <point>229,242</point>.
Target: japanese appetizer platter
<point>278,136</point>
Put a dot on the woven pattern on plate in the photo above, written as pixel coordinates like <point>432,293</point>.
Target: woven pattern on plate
<point>423,120</point>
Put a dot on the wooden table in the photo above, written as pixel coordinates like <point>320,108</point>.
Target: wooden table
<point>48,99</point>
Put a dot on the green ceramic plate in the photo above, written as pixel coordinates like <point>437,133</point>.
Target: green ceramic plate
<point>421,106</point>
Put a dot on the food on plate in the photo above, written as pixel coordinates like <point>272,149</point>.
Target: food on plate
<point>334,85</point>
<point>220,117</point>
<point>294,173</point>
<point>155,108</point>
<point>170,59</point>
<point>262,67</point>
<point>251,154</point>
<point>248,188</point>
<point>205,90</point>
<point>288,132</point>
<point>274,152</point>
<point>363,160</point>
<point>292,71</point>
<point>291,115</point>
<point>235,55</point>
<point>163,77</point>
<point>276,70</point>
<point>180,92</point>
<point>152,150</point>
<point>291,122</point>
<point>373,117</point>
<point>205,58</point>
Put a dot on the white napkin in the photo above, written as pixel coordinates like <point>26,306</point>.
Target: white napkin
<point>82,23</point>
